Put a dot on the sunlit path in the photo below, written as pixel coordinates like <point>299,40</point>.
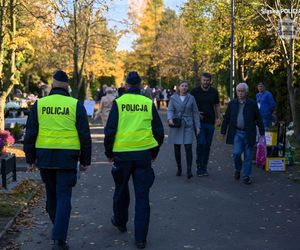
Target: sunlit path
<point>204,213</point>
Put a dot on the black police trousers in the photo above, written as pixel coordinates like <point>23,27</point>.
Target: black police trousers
<point>143,178</point>
<point>59,184</point>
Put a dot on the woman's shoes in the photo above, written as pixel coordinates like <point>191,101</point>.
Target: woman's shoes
<point>179,171</point>
<point>189,174</point>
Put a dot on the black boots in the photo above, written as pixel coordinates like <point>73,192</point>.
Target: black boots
<point>179,170</point>
<point>189,174</point>
<point>60,245</point>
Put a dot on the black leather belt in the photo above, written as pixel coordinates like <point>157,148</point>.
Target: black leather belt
<point>241,129</point>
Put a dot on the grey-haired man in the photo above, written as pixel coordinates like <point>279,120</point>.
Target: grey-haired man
<point>240,121</point>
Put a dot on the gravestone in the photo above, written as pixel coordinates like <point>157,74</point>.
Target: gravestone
<point>8,169</point>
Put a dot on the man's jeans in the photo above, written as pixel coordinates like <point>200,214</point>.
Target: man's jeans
<point>204,140</point>
<point>267,121</point>
<point>240,145</point>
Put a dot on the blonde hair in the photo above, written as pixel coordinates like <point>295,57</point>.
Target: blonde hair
<point>179,83</point>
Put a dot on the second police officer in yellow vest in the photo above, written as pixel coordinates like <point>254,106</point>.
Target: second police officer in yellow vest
<point>133,135</point>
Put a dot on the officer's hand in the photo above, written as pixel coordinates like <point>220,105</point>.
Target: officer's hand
<point>30,167</point>
<point>197,131</point>
<point>83,168</point>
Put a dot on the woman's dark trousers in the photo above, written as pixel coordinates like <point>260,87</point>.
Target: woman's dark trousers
<point>189,158</point>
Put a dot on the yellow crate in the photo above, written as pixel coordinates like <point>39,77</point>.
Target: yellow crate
<point>271,138</point>
<point>275,164</point>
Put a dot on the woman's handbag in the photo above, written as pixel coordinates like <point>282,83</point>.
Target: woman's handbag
<point>177,121</point>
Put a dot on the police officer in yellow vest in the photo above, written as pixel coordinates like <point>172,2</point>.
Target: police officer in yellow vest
<point>133,135</point>
<point>57,138</point>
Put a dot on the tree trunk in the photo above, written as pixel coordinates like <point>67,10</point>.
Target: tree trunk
<point>27,83</point>
<point>294,98</point>
<point>242,63</point>
<point>297,113</point>
<point>75,51</point>
<point>195,69</point>
<point>2,34</point>
<point>2,106</point>
<point>237,69</point>
<point>293,89</point>
<point>85,48</point>
<point>11,80</point>
<point>88,87</point>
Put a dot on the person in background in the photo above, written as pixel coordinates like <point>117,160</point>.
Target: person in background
<point>158,98</point>
<point>121,90</point>
<point>133,135</point>
<point>43,89</point>
<point>101,93</point>
<point>266,104</point>
<point>208,102</point>
<point>169,94</point>
<point>183,105</point>
<point>57,139</point>
<point>115,92</point>
<point>240,121</point>
<point>106,104</point>
<point>147,91</point>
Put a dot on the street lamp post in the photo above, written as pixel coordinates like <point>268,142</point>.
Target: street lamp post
<point>231,85</point>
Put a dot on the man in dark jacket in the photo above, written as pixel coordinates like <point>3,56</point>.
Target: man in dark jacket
<point>133,135</point>
<point>208,102</point>
<point>57,137</point>
<point>240,121</point>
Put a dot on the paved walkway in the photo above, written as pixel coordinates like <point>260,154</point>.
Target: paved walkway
<point>208,213</point>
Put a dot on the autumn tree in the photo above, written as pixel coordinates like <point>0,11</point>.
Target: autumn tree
<point>146,20</point>
<point>173,53</point>
<point>8,75</point>
<point>278,13</point>
<point>77,29</point>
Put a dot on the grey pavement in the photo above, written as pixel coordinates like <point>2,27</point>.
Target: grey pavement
<point>208,213</point>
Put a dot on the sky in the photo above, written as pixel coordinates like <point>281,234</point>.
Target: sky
<point>117,12</point>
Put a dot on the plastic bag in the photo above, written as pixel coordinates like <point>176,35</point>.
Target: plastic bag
<point>261,152</point>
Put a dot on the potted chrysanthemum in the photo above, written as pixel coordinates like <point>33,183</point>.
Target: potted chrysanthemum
<point>6,140</point>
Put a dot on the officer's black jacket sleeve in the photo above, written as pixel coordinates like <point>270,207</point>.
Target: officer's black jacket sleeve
<point>32,128</point>
<point>111,130</point>
<point>157,130</point>
<point>83,129</point>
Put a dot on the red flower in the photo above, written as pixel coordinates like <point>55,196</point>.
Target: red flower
<point>7,138</point>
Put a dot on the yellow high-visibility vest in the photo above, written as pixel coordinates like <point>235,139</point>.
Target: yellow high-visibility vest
<point>57,119</point>
<point>134,130</point>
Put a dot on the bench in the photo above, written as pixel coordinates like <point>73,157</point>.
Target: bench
<point>8,165</point>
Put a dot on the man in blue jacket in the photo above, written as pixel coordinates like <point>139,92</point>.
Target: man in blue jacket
<point>266,104</point>
<point>240,121</point>
<point>133,135</point>
<point>57,137</point>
